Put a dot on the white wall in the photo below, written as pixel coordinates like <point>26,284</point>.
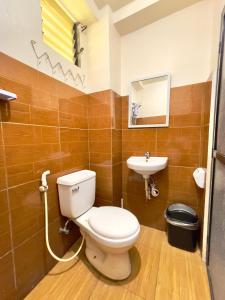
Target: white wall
<point>20,22</point>
<point>115,58</point>
<point>179,44</point>
<point>104,56</point>
<point>98,59</point>
<point>218,6</point>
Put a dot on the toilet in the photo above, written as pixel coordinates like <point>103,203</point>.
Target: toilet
<point>109,231</point>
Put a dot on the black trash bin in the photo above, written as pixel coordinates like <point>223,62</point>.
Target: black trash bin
<point>183,226</point>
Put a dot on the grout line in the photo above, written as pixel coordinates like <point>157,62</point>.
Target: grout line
<point>35,234</point>
<point>5,254</point>
<point>108,128</point>
<point>41,125</point>
<point>29,108</point>
<point>54,126</point>
<point>21,184</point>
<point>59,135</point>
<point>9,209</point>
<point>158,266</point>
<point>33,180</point>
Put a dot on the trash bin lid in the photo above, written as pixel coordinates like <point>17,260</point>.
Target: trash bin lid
<point>182,207</point>
<point>179,214</point>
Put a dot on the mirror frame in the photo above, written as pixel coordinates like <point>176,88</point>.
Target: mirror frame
<point>168,102</point>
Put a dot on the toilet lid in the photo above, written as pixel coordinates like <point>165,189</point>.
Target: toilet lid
<point>113,222</point>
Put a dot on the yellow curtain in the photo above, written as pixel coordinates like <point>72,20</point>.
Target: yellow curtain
<point>57,28</point>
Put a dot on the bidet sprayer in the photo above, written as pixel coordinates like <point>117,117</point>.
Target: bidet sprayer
<point>44,190</point>
<point>44,179</point>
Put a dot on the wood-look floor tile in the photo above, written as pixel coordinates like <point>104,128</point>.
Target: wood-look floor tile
<point>108,291</point>
<point>159,271</point>
<point>145,261</point>
<point>75,277</point>
<point>181,275</point>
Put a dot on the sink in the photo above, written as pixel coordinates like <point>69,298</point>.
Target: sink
<point>147,167</point>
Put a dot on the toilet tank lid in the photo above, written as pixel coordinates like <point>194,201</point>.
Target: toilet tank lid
<point>75,177</point>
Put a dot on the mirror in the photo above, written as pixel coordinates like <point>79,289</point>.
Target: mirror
<point>149,102</point>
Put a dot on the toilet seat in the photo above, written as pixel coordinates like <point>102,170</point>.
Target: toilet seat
<point>113,222</point>
<point>83,223</point>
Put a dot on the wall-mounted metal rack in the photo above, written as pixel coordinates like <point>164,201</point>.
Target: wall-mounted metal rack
<point>58,67</point>
<point>7,96</point>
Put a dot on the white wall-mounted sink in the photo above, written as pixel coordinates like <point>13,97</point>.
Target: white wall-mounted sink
<point>147,167</point>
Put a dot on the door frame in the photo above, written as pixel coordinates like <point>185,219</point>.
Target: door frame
<point>208,186</point>
<point>215,94</point>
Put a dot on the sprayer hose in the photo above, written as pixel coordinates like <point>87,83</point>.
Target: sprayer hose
<point>47,239</point>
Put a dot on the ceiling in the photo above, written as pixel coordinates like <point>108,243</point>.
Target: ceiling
<point>127,15</point>
<point>149,14</point>
<point>114,4</point>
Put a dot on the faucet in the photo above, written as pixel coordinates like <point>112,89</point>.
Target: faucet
<point>147,156</point>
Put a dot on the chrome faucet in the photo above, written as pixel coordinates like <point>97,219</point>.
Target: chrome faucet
<point>147,156</point>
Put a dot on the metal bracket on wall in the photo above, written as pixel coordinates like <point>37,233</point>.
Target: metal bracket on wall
<point>57,67</point>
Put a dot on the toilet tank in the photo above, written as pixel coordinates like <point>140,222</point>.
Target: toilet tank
<point>76,193</point>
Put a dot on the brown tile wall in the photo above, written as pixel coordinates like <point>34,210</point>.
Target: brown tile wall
<point>45,128</point>
<point>105,145</point>
<point>53,126</point>
<point>184,142</point>
<point>117,149</point>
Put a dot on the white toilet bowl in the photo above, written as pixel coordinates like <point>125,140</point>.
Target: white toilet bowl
<point>109,231</point>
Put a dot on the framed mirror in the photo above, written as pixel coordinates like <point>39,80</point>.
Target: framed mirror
<point>149,101</point>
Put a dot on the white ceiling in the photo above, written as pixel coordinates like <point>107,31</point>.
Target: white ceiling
<point>128,15</point>
<point>114,4</point>
<point>151,13</point>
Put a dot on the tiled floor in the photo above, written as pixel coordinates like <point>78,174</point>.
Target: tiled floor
<point>159,272</point>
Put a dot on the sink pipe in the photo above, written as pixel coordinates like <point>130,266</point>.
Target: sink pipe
<point>150,188</point>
